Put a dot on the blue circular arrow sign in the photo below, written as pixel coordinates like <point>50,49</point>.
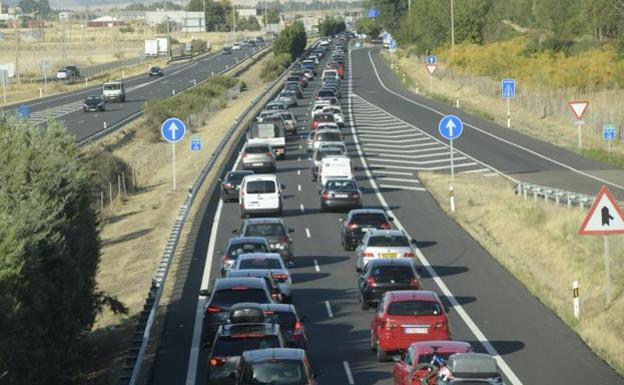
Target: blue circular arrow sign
<point>450,127</point>
<point>173,130</point>
<point>432,60</point>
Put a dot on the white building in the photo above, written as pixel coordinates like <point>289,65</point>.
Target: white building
<point>187,21</point>
<point>246,12</point>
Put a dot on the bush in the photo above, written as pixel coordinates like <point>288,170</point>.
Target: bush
<point>126,29</point>
<point>198,46</point>
<point>331,26</point>
<point>291,40</point>
<point>104,167</point>
<point>274,67</point>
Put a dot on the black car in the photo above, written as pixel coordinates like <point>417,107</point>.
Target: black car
<point>382,275</point>
<point>93,103</point>
<point>243,331</point>
<point>275,366</point>
<point>360,220</point>
<point>241,245</point>
<point>290,323</point>
<point>325,93</point>
<point>265,274</point>
<point>156,71</point>
<point>226,50</point>
<point>226,293</point>
<point>231,183</point>
<point>276,233</point>
<point>340,194</point>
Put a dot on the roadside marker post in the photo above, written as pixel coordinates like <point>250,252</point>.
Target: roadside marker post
<point>451,128</point>
<point>173,131</point>
<point>578,108</point>
<point>508,91</point>
<point>608,134</point>
<point>576,305</point>
<point>605,217</point>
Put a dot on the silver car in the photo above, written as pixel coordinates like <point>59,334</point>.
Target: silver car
<point>268,261</point>
<point>259,156</point>
<point>275,106</point>
<point>383,244</point>
<point>290,121</point>
<point>323,135</point>
<point>337,112</point>
<point>325,149</point>
<point>288,98</point>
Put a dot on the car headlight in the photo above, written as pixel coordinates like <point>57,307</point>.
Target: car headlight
<point>85,105</point>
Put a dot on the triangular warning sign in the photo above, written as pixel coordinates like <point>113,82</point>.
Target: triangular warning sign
<point>578,108</point>
<point>604,217</point>
<point>431,68</point>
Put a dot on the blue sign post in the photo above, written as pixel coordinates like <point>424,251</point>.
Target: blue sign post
<point>508,91</point>
<point>392,46</point>
<point>432,60</point>
<point>173,130</point>
<point>196,146</point>
<point>23,111</point>
<point>608,134</point>
<point>372,13</point>
<point>451,128</point>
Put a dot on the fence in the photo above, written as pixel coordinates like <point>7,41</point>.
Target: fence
<point>554,195</point>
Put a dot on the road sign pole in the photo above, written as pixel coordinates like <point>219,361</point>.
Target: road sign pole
<point>508,113</point>
<point>452,163</point>
<point>174,165</point>
<point>580,141</point>
<point>451,192</point>
<point>607,270</point>
<point>431,83</point>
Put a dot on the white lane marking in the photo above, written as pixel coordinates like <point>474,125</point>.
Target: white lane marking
<point>518,146</point>
<point>299,187</point>
<point>330,313</point>
<point>191,372</point>
<point>307,232</point>
<point>391,172</point>
<point>477,171</point>
<point>447,160</point>
<point>391,132</point>
<point>383,178</point>
<point>372,140</point>
<point>423,260</point>
<point>298,159</point>
<point>81,121</point>
<point>391,166</point>
<point>385,135</point>
<point>298,172</point>
<point>302,210</point>
<point>401,148</point>
<point>445,154</point>
<point>348,371</point>
<point>402,187</point>
<point>316,266</point>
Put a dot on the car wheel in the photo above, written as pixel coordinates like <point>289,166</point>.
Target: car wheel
<point>242,214</point>
<point>373,346</point>
<point>322,209</point>
<point>345,246</point>
<point>364,305</point>
<point>381,355</point>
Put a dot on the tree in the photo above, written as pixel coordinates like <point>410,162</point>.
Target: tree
<point>50,250</point>
<point>273,16</point>
<point>291,40</point>
<point>218,13</point>
<point>27,6</point>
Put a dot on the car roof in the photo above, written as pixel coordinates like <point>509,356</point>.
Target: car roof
<point>239,240</point>
<point>258,143</point>
<point>277,353</point>
<point>251,272</point>
<point>256,177</point>
<point>381,232</point>
<point>444,347</point>
<point>279,307</point>
<point>367,211</point>
<point>228,283</point>
<point>391,262</point>
<point>259,255</point>
<point>418,295</point>
<point>254,221</point>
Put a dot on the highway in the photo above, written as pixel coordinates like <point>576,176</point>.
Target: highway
<point>488,307</point>
<point>67,108</point>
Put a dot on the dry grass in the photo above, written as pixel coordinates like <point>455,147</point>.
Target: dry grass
<point>558,131</point>
<point>538,244</point>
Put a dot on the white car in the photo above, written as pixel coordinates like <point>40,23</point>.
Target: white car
<point>383,244</point>
<point>267,261</point>
<point>62,74</point>
<point>236,47</point>
<point>260,194</point>
<point>337,112</point>
<point>334,167</point>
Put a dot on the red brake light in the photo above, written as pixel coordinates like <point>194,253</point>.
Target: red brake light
<point>280,277</point>
<point>325,195</point>
<point>355,196</point>
<point>368,254</point>
<point>268,312</point>
<point>216,361</point>
<point>409,255</point>
<point>225,258</point>
<point>238,288</point>
<point>214,309</point>
<point>283,240</point>
<point>268,154</point>
<point>352,226</point>
<point>298,329</point>
<point>384,226</point>
<point>414,283</point>
<point>371,281</point>
<point>244,155</point>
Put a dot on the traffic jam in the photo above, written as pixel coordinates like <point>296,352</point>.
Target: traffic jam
<point>252,332</point>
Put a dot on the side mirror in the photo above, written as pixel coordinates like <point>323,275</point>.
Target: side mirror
<point>396,357</point>
<point>391,219</point>
<point>414,242</point>
<point>304,318</point>
<point>235,231</point>
<point>290,231</point>
<point>204,293</point>
<point>283,187</point>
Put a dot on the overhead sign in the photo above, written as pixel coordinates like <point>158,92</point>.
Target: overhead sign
<point>578,108</point>
<point>508,88</point>
<point>450,127</point>
<point>196,144</point>
<point>373,12</point>
<point>608,132</point>
<point>604,217</point>
<point>432,60</point>
<point>173,130</point>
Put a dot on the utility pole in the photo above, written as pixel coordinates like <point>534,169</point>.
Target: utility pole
<point>17,53</point>
<point>205,28</point>
<point>168,37</point>
<point>266,18</point>
<point>234,17</point>
<point>453,26</point>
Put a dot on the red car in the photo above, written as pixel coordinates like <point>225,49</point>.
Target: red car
<point>322,118</point>
<point>407,316</point>
<point>414,365</point>
<point>339,68</point>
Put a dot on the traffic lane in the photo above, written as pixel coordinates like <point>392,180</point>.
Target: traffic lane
<point>518,163</point>
<point>518,326</point>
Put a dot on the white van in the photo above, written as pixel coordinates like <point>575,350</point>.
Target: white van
<point>335,167</point>
<point>260,194</point>
<point>330,74</point>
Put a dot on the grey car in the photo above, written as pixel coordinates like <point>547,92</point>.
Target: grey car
<point>325,149</point>
<point>279,236</point>
<point>272,262</point>
<point>288,98</point>
<point>384,244</point>
<point>321,136</point>
<point>259,156</point>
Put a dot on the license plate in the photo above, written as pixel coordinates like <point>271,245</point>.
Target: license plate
<point>341,195</point>
<point>388,255</point>
<point>416,330</point>
<point>257,164</point>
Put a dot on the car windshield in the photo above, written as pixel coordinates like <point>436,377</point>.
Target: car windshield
<point>265,230</point>
<point>274,106</point>
<point>110,87</point>
<point>426,358</point>
<point>340,185</point>
<point>96,99</point>
<point>257,149</point>
<point>235,346</point>
<point>385,274</point>
<point>246,248</point>
<point>227,297</point>
<point>259,263</point>
<point>236,176</point>
<point>286,320</point>
<point>414,308</point>
<point>260,187</point>
<point>322,154</point>
<point>326,93</point>
<point>329,136</point>
<point>368,219</point>
<point>275,372</point>
<point>388,241</point>
<point>325,118</point>
<point>155,68</point>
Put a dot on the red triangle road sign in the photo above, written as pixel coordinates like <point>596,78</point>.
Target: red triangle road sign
<point>578,108</point>
<point>604,217</point>
<point>431,68</point>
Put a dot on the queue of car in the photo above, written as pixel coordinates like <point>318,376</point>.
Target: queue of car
<point>251,327</point>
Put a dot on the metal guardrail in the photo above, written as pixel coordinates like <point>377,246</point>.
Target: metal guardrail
<point>553,195</point>
<point>136,353</point>
<point>100,135</point>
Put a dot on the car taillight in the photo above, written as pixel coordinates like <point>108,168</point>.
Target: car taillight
<point>280,277</point>
<point>355,196</point>
<point>441,325</point>
<point>371,281</point>
<point>214,309</point>
<point>244,155</point>
<point>352,226</point>
<point>414,283</point>
<point>277,297</point>
<point>269,154</point>
<point>283,240</point>
<point>384,226</point>
<point>216,361</point>
<point>388,325</point>
<point>227,186</point>
<point>298,329</point>
<point>325,195</point>
<point>409,255</point>
<point>368,254</point>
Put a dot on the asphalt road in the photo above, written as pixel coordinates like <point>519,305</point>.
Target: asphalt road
<point>489,308</point>
<point>67,108</point>
<point>510,152</point>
